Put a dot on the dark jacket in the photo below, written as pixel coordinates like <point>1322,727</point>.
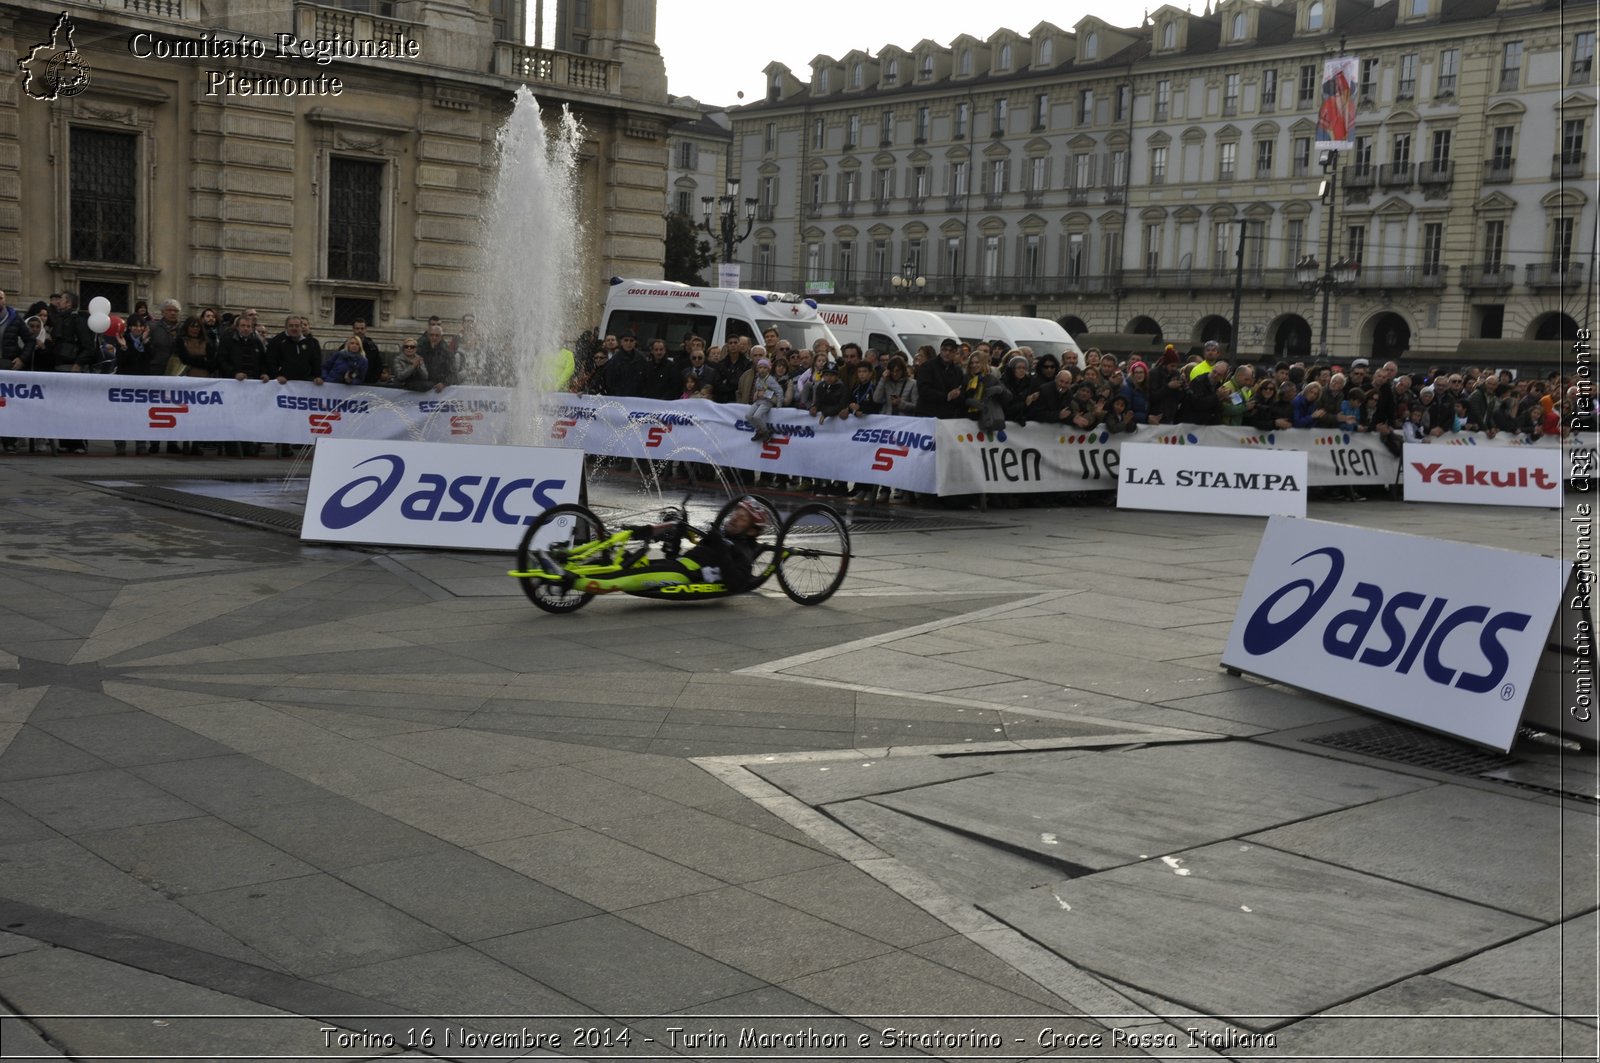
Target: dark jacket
<point>936,378</point>
<point>133,358</point>
<point>11,328</point>
<point>1200,404</point>
<point>294,359</point>
<point>75,342</point>
<point>625,374</point>
<point>241,354</point>
<point>829,397</point>
<point>375,361</point>
<point>1168,403</point>
<point>660,380</point>
<point>1048,406</point>
<point>440,360</point>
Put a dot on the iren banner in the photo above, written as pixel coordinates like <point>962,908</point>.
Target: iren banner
<point>1360,615</point>
<point>1485,476</point>
<point>1040,457</point>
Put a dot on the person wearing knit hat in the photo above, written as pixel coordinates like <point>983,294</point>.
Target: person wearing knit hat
<point>765,393</point>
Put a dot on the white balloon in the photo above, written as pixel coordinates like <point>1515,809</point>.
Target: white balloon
<point>99,305</point>
<point>99,322</point>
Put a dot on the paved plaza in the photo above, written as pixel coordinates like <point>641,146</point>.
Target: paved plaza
<point>996,798</point>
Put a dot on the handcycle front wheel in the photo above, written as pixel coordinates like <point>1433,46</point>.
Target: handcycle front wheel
<point>813,554</point>
<point>558,530</point>
<point>764,567</point>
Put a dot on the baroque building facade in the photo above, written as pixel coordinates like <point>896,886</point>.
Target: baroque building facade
<point>697,165</point>
<point>1113,178</point>
<point>151,180</point>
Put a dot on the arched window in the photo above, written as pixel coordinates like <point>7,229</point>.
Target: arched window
<point>1047,51</point>
<point>1169,35</point>
<point>892,74</point>
<point>1238,26</point>
<point>1005,57</point>
<point>855,76</point>
<point>1314,16</point>
<point>1091,47</point>
<point>966,60</point>
<point>927,68</point>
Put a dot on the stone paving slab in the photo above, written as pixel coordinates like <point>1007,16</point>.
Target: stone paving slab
<point>463,814</point>
<point>1296,936</point>
<point>35,753</point>
<point>1118,808</point>
<point>334,832</point>
<point>1506,852</point>
<point>605,872</point>
<point>196,855</point>
<point>825,783</point>
<point>1553,970</point>
<point>96,800</point>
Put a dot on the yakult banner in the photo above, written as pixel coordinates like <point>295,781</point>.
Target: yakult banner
<point>1040,457</point>
<point>1362,616</point>
<point>1237,480</point>
<point>1485,476</point>
<point>893,451</point>
<point>433,494</point>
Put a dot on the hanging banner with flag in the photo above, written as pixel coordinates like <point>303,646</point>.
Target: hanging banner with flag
<point>1336,120</point>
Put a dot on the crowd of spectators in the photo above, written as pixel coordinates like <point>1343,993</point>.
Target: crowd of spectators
<point>54,336</point>
<point>994,385</point>
<point>989,383</point>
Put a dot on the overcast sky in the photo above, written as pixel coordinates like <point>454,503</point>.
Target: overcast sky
<point>715,49</point>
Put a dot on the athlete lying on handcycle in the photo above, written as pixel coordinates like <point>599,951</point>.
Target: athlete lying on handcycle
<point>566,556</point>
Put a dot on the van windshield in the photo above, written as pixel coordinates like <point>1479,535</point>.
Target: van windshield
<point>1044,347</point>
<point>672,326</point>
<point>799,333</point>
<point>910,341</point>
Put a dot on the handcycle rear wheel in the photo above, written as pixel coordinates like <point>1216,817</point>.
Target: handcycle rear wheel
<point>558,529</point>
<point>765,565</point>
<point>813,554</point>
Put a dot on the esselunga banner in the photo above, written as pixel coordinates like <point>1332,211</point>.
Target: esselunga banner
<point>1040,457</point>
<point>877,449</point>
<point>1362,616</point>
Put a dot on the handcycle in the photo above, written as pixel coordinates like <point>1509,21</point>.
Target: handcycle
<point>808,552</point>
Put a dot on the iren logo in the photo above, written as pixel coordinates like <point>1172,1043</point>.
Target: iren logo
<point>1411,627</point>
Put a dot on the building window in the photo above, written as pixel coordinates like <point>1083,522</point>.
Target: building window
<point>1221,257</point>
<point>1294,241</point>
<point>880,259</point>
<point>1505,138</point>
<point>1449,60</point>
<point>914,255</point>
<point>1158,166</point>
<point>886,128</point>
<point>991,256</point>
<point>1047,52</point>
<point>1263,159</point>
<point>847,186</point>
<point>813,262</point>
<point>1510,66</point>
<point>1091,46</point>
<point>1163,98</point>
<point>1314,16</point>
<point>958,178</point>
<point>764,276</point>
<point>1124,102</point>
<point>769,194</point>
<point>847,261</point>
<point>999,176</point>
<point>1111,252</point>
<point>856,74</point>
<point>1441,150</point>
<point>683,202</point>
<point>1363,154</point>
<point>854,135</point>
<point>1169,36</point>
<point>1077,256</point>
<point>1230,94</point>
<point>1432,248</point>
<point>1417,8</point>
<point>922,125</point>
<point>1582,56</point>
<point>1038,173</point>
<point>1302,156</point>
<point>1152,248</point>
<point>1032,257</point>
<point>952,256</point>
<point>1086,107</point>
<point>966,61</point>
<point>1308,84</point>
<point>1400,154</point>
<point>104,195</point>
<point>926,73</point>
<point>1561,244</point>
<point>883,185</point>
<point>1494,245</point>
<point>1001,109</point>
<point>822,80</point>
<point>819,189</point>
<point>1369,79</point>
<point>1407,88</point>
<point>963,110</point>
<point>1269,89</point>
<point>1239,26</point>
<point>770,142</point>
<point>1041,110</point>
<point>1228,161</point>
<point>891,73</point>
<point>919,182</point>
<point>1356,243</point>
<point>355,218</point>
<point>1118,177</point>
<point>1082,170</point>
<point>1572,141</point>
<point>688,155</point>
<point>819,133</point>
<point>1005,57</point>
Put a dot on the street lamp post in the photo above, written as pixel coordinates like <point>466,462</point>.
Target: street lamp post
<point>908,280</point>
<point>726,217</point>
<point>1341,273</point>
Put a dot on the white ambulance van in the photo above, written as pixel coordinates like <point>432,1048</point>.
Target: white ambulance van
<point>886,329</point>
<point>670,311</point>
<point>1040,333</point>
